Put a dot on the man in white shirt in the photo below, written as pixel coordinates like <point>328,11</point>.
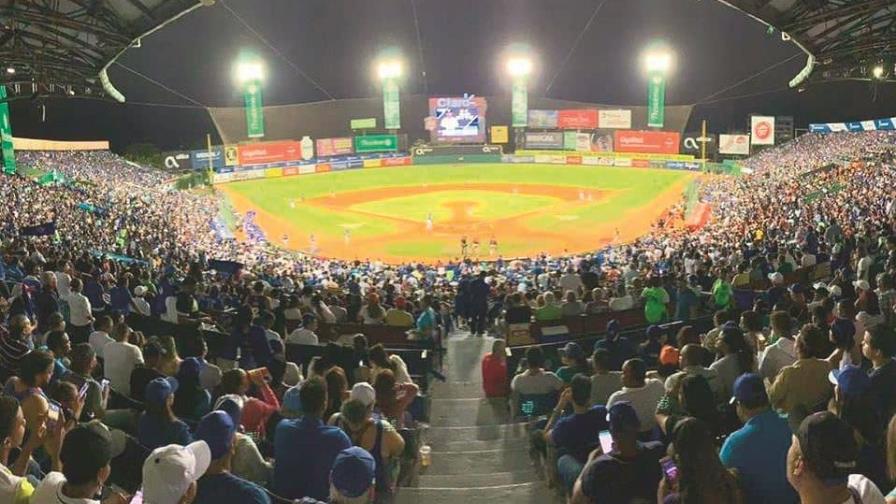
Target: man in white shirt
<point>80,317</point>
<point>625,302</point>
<point>100,337</point>
<point>140,303</point>
<point>121,357</point>
<point>782,352</point>
<point>535,380</point>
<point>643,394</point>
<point>210,374</point>
<point>571,281</point>
<point>305,335</point>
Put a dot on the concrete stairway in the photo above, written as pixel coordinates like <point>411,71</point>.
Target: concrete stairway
<point>478,454</point>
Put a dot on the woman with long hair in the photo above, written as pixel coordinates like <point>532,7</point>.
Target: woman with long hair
<point>255,412</point>
<point>392,398</point>
<point>337,390</point>
<point>702,479</point>
<point>869,310</point>
<point>380,360</point>
<point>695,399</point>
<point>736,358</point>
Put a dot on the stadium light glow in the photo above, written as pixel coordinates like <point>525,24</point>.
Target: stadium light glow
<point>878,72</point>
<point>10,70</point>
<point>249,70</point>
<point>389,69</point>
<point>658,60</point>
<point>519,66</point>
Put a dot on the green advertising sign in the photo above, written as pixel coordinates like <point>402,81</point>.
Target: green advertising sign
<point>520,104</point>
<point>254,110</point>
<point>9,156</point>
<point>376,143</point>
<point>569,140</point>
<point>368,123</point>
<point>391,106</point>
<point>656,101</point>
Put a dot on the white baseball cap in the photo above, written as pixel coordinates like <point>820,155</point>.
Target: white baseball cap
<point>139,291</point>
<point>169,471</point>
<point>363,392</point>
<point>776,277</point>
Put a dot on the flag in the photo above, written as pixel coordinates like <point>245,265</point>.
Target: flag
<point>45,229</point>
<point>231,267</point>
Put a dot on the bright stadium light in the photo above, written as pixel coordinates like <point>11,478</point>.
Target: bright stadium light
<point>389,69</point>
<point>658,60</point>
<point>10,70</point>
<point>878,72</point>
<point>249,70</point>
<point>519,66</point>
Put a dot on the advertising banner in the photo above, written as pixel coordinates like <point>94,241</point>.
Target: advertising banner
<point>614,119</point>
<point>544,140</point>
<point>391,105</point>
<point>738,145</point>
<point>273,173</point>
<point>231,155</point>
<point>577,119</point>
<point>641,163</point>
<point>398,161</point>
<point>500,134</point>
<point>269,152</point>
<point>458,119</point>
<point>656,101</point>
<point>573,159</point>
<point>321,168</point>
<point>602,141</point>
<point>177,160</point>
<point>647,142</point>
<point>373,163</point>
<point>623,162</point>
<point>9,156</point>
<point>334,146</point>
<point>569,140</point>
<point>290,171</point>
<point>692,143</point>
<point>762,130</point>
<point>367,123</point>
<point>583,142</point>
<point>376,143</point>
<point>456,150</point>
<point>519,103</point>
<point>254,110</point>
<point>546,119</point>
<point>200,158</point>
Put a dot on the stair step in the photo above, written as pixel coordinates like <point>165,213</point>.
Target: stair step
<point>469,412</point>
<point>437,435</point>
<point>456,390</point>
<point>521,493</point>
<point>476,444</point>
<point>480,462</point>
<point>476,480</point>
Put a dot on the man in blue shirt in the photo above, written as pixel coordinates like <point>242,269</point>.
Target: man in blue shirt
<point>305,448</point>
<point>218,485</point>
<point>758,450</point>
<point>576,435</point>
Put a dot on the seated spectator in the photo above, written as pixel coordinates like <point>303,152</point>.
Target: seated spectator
<point>629,473</point>
<point>380,439</point>
<point>305,449</point>
<point>14,344</point>
<point>856,405</point>
<point>649,351</point>
<point>121,358</point>
<point>696,400</point>
<point>574,362</point>
<point>618,347</point>
<point>140,305</point>
<point>822,460</point>
<point>879,347</point>
<point>603,382</point>
<point>576,435</point>
<point>248,463</point>
<point>571,307</point>
<point>393,399</point>
<point>191,401</point>
<point>55,322</point>
<point>218,485</point>
<point>534,381</point>
<point>351,478</point>
<point>304,335</point>
<point>495,382</point>
<point>518,311</point>
<point>372,313</point>
<point>701,476</point>
<point>624,300</point>
<point>158,425</point>
<point>687,302</point>
<point>149,371</point>
<point>598,303</point>
<point>751,325</point>
<point>782,350</point>
<point>256,412</point>
<point>398,316</point>
<point>737,358</point>
<point>802,387</point>
<point>381,360</point>
<point>550,312</point>
<point>690,362</point>
<point>170,473</point>
<point>96,396</point>
<point>60,346</point>
<point>758,450</point>
<point>99,338</point>
<point>641,393</point>
<point>28,388</point>
<point>14,487</point>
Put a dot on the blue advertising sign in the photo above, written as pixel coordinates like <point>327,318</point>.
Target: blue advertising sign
<point>199,158</point>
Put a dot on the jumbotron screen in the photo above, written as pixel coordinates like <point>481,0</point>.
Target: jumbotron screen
<point>458,119</point>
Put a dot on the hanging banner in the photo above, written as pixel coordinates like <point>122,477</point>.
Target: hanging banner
<point>585,119</point>
<point>391,105</point>
<point>367,123</point>
<point>614,119</point>
<point>763,130</point>
<point>738,145</point>
<point>520,103</point>
<point>656,101</point>
<point>254,110</point>
<point>334,146</point>
<point>546,119</point>
<point>500,134</point>
<point>647,142</point>
<point>9,155</point>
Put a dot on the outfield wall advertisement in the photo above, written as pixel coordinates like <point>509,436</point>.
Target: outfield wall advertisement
<point>544,140</point>
<point>327,147</point>
<point>270,152</point>
<point>614,119</point>
<point>647,142</point>
<point>579,119</point>
<point>738,145</point>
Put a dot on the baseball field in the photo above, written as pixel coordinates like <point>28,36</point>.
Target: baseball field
<point>422,213</point>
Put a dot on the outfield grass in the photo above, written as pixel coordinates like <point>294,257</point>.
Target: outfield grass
<point>390,225</point>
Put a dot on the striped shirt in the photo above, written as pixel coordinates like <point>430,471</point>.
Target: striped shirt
<point>11,351</point>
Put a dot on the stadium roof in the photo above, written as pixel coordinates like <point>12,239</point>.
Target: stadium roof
<point>845,39</point>
<point>54,47</point>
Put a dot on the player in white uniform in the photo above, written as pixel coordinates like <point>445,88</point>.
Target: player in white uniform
<point>429,222</point>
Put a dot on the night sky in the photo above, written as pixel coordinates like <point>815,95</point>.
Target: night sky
<point>334,41</point>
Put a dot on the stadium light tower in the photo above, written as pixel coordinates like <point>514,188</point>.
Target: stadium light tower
<point>878,71</point>
<point>390,69</point>
<point>249,73</point>
<point>519,66</point>
<point>658,64</point>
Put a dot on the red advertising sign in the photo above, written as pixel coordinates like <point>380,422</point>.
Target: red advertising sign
<point>269,152</point>
<point>403,161</point>
<point>334,146</point>
<point>290,170</point>
<point>577,119</point>
<point>640,163</point>
<point>647,142</point>
<point>573,159</point>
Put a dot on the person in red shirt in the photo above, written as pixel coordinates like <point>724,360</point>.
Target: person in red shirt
<point>495,381</point>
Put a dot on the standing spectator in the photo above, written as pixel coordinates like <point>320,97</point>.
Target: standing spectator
<point>687,300</point>
<point>821,462</point>
<point>494,371</point>
<point>702,479</point>
<point>782,351</point>
<point>571,281</point>
<point>99,338</point>
<point>478,305</point>
<point>643,394</point>
<point>210,375</point>
<point>121,358</point>
<point>141,306</point>
<point>381,360</point>
<point>758,450</point>
<point>218,485</point>
<point>80,313</point>
<point>305,448</point>
<point>655,300</point>
<point>604,382</point>
<point>618,347</point>
<point>304,335</point>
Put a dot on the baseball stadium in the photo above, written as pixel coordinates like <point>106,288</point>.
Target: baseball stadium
<point>418,251</point>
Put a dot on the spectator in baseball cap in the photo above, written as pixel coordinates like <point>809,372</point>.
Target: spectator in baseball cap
<point>218,485</point>
<point>158,425</point>
<point>191,401</point>
<point>620,349</point>
<point>170,473</point>
<point>629,472</point>
<point>574,361</point>
<point>758,450</point>
<point>352,477</point>
<point>822,463</point>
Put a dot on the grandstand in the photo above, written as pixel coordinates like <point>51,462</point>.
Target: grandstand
<point>164,339</point>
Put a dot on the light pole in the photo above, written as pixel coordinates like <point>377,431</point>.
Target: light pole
<point>519,67</point>
<point>249,73</point>
<point>389,69</point>
<point>658,63</point>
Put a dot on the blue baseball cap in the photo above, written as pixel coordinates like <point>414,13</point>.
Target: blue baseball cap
<point>291,406</point>
<point>190,368</point>
<point>796,288</point>
<point>749,388</point>
<point>217,430</point>
<point>354,472</point>
<point>851,380</point>
<point>623,418</point>
<point>613,326</point>
<point>654,331</point>
<point>844,331</point>
<point>158,390</point>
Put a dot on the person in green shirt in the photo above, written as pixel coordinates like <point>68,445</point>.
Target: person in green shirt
<point>722,292</point>
<point>655,300</point>
<point>550,311</point>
